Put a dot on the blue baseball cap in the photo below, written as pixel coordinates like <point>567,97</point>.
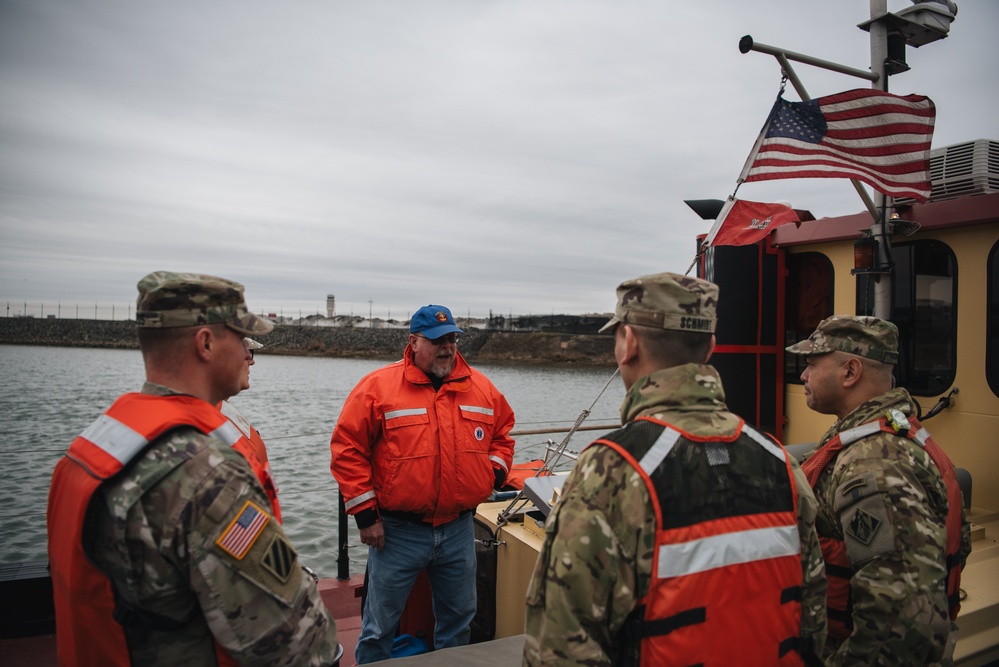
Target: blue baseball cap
<point>433,322</point>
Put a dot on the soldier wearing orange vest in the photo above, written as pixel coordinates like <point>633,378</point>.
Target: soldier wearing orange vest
<point>685,537</point>
<point>162,545</point>
<point>891,517</point>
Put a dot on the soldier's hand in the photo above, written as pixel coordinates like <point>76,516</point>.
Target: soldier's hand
<point>374,535</point>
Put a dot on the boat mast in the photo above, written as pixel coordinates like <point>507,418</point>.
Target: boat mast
<point>879,56</point>
<point>925,22</point>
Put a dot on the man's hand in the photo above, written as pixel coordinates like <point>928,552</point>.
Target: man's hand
<point>374,535</point>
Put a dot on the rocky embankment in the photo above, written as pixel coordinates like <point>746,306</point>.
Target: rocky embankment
<point>476,344</point>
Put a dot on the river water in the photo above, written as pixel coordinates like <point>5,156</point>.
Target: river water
<point>48,395</point>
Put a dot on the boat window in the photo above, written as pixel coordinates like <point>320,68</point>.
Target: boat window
<point>808,300</point>
<point>924,298</point>
<point>992,321</point>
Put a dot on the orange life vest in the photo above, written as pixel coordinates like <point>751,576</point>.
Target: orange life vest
<point>839,571</point>
<point>726,578</point>
<point>254,451</point>
<point>87,633</point>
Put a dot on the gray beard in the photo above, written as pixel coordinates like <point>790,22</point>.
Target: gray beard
<point>441,371</point>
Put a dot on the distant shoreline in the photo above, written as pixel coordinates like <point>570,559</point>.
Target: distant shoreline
<point>528,347</point>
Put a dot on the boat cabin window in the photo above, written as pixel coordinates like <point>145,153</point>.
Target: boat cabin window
<point>808,299</point>
<point>924,307</point>
<point>992,321</point>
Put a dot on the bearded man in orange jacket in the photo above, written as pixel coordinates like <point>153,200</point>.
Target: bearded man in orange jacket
<point>417,446</point>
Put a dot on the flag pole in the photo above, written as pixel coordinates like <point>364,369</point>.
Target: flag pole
<point>883,283</point>
<point>719,221</point>
<point>759,139</point>
<point>730,201</point>
<point>713,232</point>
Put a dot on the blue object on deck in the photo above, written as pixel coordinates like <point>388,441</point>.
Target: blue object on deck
<point>405,645</point>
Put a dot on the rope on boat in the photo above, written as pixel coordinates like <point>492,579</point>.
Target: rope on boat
<point>504,516</point>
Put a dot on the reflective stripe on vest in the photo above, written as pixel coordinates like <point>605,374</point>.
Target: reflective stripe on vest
<point>117,440</point>
<point>708,553</point>
<point>659,451</point>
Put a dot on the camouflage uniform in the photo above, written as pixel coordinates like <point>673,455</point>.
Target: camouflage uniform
<point>897,589</point>
<point>597,565</point>
<point>157,528</point>
<point>154,534</point>
<point>899,602</point>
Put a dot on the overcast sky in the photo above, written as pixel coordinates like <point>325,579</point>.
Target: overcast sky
<point>518,156</point>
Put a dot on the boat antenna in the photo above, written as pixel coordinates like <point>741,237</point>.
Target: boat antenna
<point>552,462</point>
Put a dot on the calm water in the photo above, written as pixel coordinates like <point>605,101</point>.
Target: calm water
<point>48,395</point>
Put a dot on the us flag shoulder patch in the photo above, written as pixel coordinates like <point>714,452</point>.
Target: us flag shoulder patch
<point>243,531</point>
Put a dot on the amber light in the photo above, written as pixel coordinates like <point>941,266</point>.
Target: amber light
<point>865,254</point>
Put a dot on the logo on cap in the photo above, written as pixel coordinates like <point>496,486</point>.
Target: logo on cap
<point>441,317</point>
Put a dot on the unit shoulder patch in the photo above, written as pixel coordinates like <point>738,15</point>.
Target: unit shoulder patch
<point>868,530</point>
<point>864,527</point>
<point>279,558</point>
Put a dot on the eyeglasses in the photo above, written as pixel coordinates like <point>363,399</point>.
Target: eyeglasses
<point>446,338</point>
<point>251,346</point>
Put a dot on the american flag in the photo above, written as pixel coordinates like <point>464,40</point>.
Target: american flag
<point>864,134</point>
<point>244,530</point>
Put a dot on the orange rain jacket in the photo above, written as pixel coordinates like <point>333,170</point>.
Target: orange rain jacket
<point>399,445</point>
<point>87,633</point>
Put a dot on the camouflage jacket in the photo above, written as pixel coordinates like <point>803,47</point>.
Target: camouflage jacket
<point>898,589</point>
<point>594,569</point>
<point>155,532</point>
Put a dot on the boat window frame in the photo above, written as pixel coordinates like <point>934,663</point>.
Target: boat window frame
<point>908,256</point>
<point>794,364</point>
<point>992,319</point>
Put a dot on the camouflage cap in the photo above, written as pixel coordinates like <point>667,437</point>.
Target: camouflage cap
<point>666,301</point>
<point>168,300</point>
<point>861,335</point>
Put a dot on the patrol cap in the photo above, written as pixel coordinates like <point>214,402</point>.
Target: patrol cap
<point>861,335</point>
<point>667,301</point>
<point>433,322</point>
<point>169,300</point>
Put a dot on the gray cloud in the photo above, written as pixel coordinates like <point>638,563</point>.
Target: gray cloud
<point>513,155</point>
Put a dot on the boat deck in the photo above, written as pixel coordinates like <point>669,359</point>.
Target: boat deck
<point>342,598</point>
<point>977,646</point>
<point>978,640</point>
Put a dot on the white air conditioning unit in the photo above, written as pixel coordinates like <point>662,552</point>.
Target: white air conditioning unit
<point>961,170</point>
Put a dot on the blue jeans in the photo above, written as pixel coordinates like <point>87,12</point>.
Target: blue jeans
<point>447,552</point>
